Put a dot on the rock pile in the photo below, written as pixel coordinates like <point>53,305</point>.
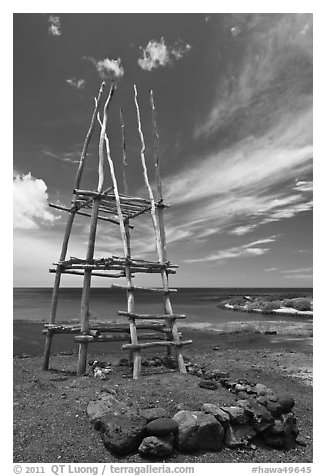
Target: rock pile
<point>257,415</point>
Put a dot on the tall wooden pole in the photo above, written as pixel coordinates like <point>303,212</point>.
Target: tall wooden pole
<point>130,292</point>
<point>124,155</point>
<point>125,236</point>
<point>84,315</point>
<point>170,324</point>
<point>82,357</point>
<point>71,217</point>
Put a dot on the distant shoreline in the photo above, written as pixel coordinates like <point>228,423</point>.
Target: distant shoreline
<point>292,306</point>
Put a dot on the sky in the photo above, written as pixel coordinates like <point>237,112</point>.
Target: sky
<point>233,94</point>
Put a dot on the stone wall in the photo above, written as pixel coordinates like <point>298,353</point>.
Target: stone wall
<point>257,416</point>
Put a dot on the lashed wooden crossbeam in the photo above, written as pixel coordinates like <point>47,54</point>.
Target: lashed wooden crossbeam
<point>165,343</point>
<point>121,337</point>
<point>130,207</point>
<point>151,316</point>
<point>143,288</point>
<point>71,210</point>
<point>117,263</point>
<point>100,327</point>
<point>81,273</point>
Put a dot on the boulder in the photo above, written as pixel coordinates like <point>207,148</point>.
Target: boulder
<point>198,431</point>
<point>274,408</point>
<point>217,412</point>
<point>240,387</point>
<point>110,404</point>
<point>261,389</point>
<point>209,384</point>
<point>218,374</point>
<point>237,414</point>
<point>239,435</point>
<point>157,446</point>
<point>286,401</point>
<point>162,426</point>
<point>283,433</point>
<point>153,413</point>
<point>122,434</point>
<point>260,417</point>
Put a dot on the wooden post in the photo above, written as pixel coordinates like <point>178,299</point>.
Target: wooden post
<point>130,293</point>
<point>82,357</point>
<point>125,236</point>
<point>170,324</point>
<point>124,156</point>
<point>56,285</point>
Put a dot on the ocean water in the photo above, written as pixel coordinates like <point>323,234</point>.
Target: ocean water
<point>199,304</point>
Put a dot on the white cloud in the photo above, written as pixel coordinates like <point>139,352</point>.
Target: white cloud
<point>249,182</point>
<point>76,83</point>
<point>298,270</point>
<point>264,60</point>
<point>72,157</point>
<point>242,230</point>
<point>304,186</point>
<point>270,270</point>
<point>108,68</point>
<point>157,54</point>
<point>30,203</point>
<point>55,25</point>
<point>298,276</point>
<point>246,250</point>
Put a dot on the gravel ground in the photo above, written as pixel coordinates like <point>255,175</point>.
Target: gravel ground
<point>51,424</point>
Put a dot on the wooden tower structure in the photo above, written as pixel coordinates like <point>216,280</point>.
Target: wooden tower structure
<point>117,209</point>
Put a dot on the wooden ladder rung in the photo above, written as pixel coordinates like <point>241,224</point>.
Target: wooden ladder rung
<point>141,288</point>
<point>132,315</point>
<point>81,273</point>
<point>115,337</point>
<point>147,345</point>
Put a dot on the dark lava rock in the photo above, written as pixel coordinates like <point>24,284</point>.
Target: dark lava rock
<point>260,417</point>
<point>198,431</point>
<point>237,415</point>
<point>261,389</point>
<point>263,400</point>
<point>239,435</point>
<point>122,435</point>
<point>209,384</point>
<point>154,413</point>
<point>217,412</point>
<point>286,401</point>
<point>157,446</point>
<point>110,404</point>
<point>274,408</point>
<point>283,433</point>
<point>162,426</point>
<point>219,374</point>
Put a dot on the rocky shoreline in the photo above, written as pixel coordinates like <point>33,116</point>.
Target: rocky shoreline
<point>291,307</point>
